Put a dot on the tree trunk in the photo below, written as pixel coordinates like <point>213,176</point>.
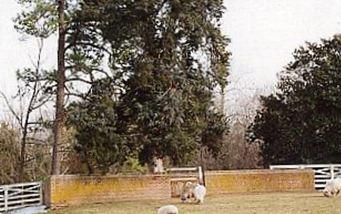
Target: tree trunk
<point>222,102</point>
<point>22,156</point>
<point>60,115</point>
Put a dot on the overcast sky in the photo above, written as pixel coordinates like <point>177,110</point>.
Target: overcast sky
<point>263,35</point>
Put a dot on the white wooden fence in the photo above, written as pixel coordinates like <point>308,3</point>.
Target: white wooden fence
<point>323,172</point>
<point>187,174</point>
<point>16,196</point>
<point>180,175</point>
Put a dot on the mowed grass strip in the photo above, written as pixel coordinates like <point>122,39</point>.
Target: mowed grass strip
<point>281,203</point>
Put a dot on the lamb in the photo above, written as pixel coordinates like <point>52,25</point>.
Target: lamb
<point>168,209</point>
<point>333,187</point>
<point>191,190</point>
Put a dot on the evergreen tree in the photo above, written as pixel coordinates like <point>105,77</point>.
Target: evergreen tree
<point>301,121</point>
<point>78,62</point>
<point>167,58</point>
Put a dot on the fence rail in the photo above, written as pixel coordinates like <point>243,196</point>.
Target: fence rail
<point>180,175</point>
<point>16,196</point>
<point>323,172</point>
<point>187,173</point>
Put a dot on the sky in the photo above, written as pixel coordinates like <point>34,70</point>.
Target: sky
<point>263,35</point>
<point>16,50</point>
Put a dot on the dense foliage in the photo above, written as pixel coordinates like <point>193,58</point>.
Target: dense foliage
<point>301,122</point>
<point>98,144</point>
<point>166,58</point>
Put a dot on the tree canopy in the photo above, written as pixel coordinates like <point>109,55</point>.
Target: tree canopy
<point>142,75</point>
<point>167,57</point>
<point>301,121</point>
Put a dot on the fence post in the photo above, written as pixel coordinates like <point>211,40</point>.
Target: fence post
<point>201,180</point>
<point>332,171</point>
<point>6,198</point>
<point>41,192</point>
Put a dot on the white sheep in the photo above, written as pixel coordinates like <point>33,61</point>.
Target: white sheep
<point>199,193</point>
<point>168,209</point>
<point>196,191</point>
<point>332,188</point>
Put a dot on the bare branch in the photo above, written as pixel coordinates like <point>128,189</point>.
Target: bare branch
<point>43,102</point>
<point>10,107</point>
<point>78,79</point>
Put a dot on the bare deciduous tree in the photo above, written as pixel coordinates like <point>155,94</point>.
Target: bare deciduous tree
<point>30,97</point>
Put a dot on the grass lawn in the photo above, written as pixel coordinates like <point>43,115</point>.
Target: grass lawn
<point>231,204</point>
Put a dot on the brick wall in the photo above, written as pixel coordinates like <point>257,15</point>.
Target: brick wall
<point>245,181</point>
<point>73,189</point>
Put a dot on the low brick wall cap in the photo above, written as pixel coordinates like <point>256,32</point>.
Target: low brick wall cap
<point>258,171</point>
<point>109,176</point>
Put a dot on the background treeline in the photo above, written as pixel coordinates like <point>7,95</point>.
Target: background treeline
<point>138,79</point>
<point>134,80</point>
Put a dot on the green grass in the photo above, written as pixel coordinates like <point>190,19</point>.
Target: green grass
<point>281,203</point>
